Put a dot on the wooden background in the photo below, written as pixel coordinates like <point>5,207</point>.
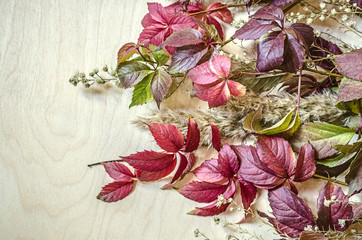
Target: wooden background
<point>50,131</point>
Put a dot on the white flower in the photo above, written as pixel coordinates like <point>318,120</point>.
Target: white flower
<point>333,197</point>
<point>342,222</point>
<point>322,5</point>
<point>322,18</point>
<point>344,17</point>
<point>309,21</point>
<point>333,12</point>
<point>326,202</point>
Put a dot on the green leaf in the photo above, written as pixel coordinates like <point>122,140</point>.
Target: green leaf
<point>131,72</point>
<point>126,52</point>
<point>323,136</point>
<point>264,82</point>
<point>336,160</point>
<point>142,91</point>
<point>285,127</point>
<point>160,85</point>
<point>160,56</point>
<point>349,148</point>
<point>350,95</point>
<point>210,30</point>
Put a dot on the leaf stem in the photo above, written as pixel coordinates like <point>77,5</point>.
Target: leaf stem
<point>291,6</point>
<point>329,179</point>
<point>217,9</point>
<point>100,163</point>
<point>299,86</point>
<point>322,73</point>
<point>255,73</point>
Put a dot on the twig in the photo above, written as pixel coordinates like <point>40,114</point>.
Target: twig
<point>100,163</point>
<point>329,179</point>
<point>217,9</point>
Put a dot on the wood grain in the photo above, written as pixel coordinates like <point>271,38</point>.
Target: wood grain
<point>50,131</point>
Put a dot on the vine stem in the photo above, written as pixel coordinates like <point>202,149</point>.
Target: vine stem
<point>100,163</point>
<point>217,9</point>
<point>329,179</point>
<point>299,86</point>
<point>255,74</point>
<point>322,73</point>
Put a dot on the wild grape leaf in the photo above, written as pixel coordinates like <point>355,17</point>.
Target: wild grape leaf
<point>223,14</point>
<point>293,54</point>
<point>310,235</point>
<point>281,2</point>
<point>118,171</point>
<point>160,85</point>
<point>215,137</point>
<point>192,136</point>
<point>309,85</point>
<point>254,29</point>
<point>130,73</point>
<point>203,192</point>
<point>354,176</point>
<point>213,208</point>
<point>142,91</point>
<point>145,176</point>
<point>322,136</point>
<point>167,136</point>
<point>350,90</point>
<point>321,50</point>
<point>339,160</point>
<point>270,51</point>
<point>150,161</point>
<point>182,38</point>
<point>306,167</point>
<point>126,52</point>
<point>160,56</point>
<point>209,171</point>
<point>350,64</point>
<point>305,34</point>
<point>185,58</point>
<point>248,192</point>
<point>115,191</point>
<point>270,12</point>
<point>330,212</point>
<point>349,148</point>
<point>290,210</point>
<point>210,31</point>
<point>228,163</point>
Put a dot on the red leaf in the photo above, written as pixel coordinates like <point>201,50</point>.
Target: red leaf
<point>150,161</point>
<point>125,52</point>
<point>193,136</point>
<point>248,192</point>
<point>203,192</point>
<point>270,52</point>
<point>167,136</point>
<point>254,29</point>
<point>115,191</point>
<point>118,171</point>
<point>145,176</point>
<point>208,171</point>
<point>185,164</point>
<point>223,14</point>
<point>277,154</point>
<point>183,37</point>
<point>214,208</point>
<point>180,22</point>
<point>215,137</point>
<point>306,167</point>
<point>228,163</point>
<point>330,212</point>
<point>290,210</point>
<point>255,171</point>
<point>236,89</point>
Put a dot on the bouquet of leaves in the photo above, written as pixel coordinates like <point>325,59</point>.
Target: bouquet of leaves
<point>296,106</point>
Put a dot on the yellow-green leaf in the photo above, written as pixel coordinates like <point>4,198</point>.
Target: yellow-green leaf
<point>142,91</point>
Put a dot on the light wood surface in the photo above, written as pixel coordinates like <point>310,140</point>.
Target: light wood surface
<point>50,131</point>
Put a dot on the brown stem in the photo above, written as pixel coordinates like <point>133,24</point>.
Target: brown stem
<point>217,9</point>
<point>291,6</point>
<point>322,73</point>
<point>329,179</point>
<point>100,163</point>
<point>299,86</point>
<point>255,74</point>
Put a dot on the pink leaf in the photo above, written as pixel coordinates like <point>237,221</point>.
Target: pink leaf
<point>248,192</point>
<point>306,167</point>
<point>203,192</point>
<point>236,89</point>
<point>350,64</point>
<point>330,212</point>
<point>183,37</point>
<point>255,171</point>
<point>180,22</point>
<point>221,66</point>
<point>223,14</point>
<point>150,161</point>
<point>193,136</point>
<point>115,191</point>
<point>290,210</point>
<point>214,208</point>
<point>277,154</point>
<point>185,164</point>
<point>118,171</point>
<point>215,137</point>
<point>157,12</point>
<point>145,176</point>
<point>228,163</point>
<point>125,52</point>
<point>167,136</point>
<point>203,74</point>
<point>208,171</point>
<point>215,94</point>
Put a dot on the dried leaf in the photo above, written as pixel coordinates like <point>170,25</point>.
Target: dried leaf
<point>193,136</point>
<point>203,192</point>
<point>350,64</point>
<point>115,191</point>
<point>215,137</point>
<point>150,161</point>
<point>167,136</point>
<point>118,171</point>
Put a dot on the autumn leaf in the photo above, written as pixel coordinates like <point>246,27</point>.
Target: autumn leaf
<point>203,192</point>
<point>167,136</point>
<point>130,73</point>
<point>118,171</point>
<point>350,64</point>
<point>209,171</point>
<point>126,52</point>
<point>320,51</point>
<point>115,191</point>
<point>160,85</point>
<point>215,137</point>
<point>192,136</point>
<point>186,58</point>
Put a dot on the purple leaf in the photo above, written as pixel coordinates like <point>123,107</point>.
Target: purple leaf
<point>228,161</point>
<point>115,191</point>
<point>150,161</point>
<point>183,37</point>
<point>270,12</point>
<point>290,210</point>
<point>203,192</point>
<point>350,64</point>
<point>248,192</point>
<point>254,29</point>
<point>331,212</point>
<point>130,73</point>
<point>304,33</point>
<point>160,85</point>
<point>167,136</point>
<point>350,90</point>
<point>185,58</point>
<point>306,167</point>
<point>270,52</point>
<point>193,136</point>
<point>281,2</point>
<point>321,51</point>
<point>277,154</point>
<point>293,54</point>
<point>118,171</point>
<point>209,171</point>
<point>215,137</point>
